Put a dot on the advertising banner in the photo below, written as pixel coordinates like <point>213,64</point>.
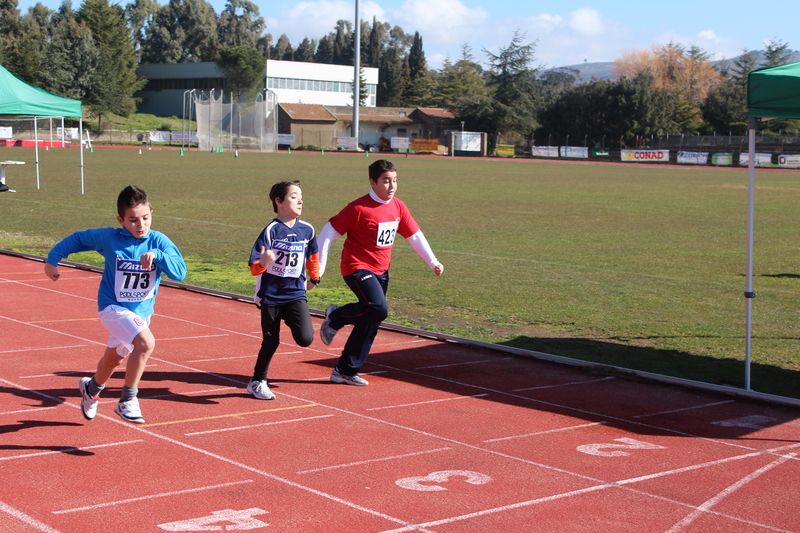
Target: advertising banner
<point>600,152</point>
<point>544,151</point>
<point>693,158</point>
<point>722,159</point>
<point>347,142</point>
<point>399,143</point>
<point>575,151</point>
<point>789,161</point>
<point>184,136</point>
<point>762,160</point>
<point>5,132</point>
<point>467,141</point>
<point>65,133</point>
<point>645,156</point>
<point>286,139</point>
<point>505,149</point>
<point>425,145</point>
<point>159,136</point>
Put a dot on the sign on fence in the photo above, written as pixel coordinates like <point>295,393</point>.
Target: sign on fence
<point>505,149</point>
<point>762,160</point>
<point>789,161</point>
<point>159,136</point>
<point>399,143</point>
<point>645,156</point>
<point>348,142</point>
<point>425,145</point>
<point>722,159</point>
<point>286,139</point>
<point>544,151</point>
<point>693,158</point>
<point>575,151</point>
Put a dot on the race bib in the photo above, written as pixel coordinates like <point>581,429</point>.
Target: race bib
<point>289,259</point>
<point>386,233</point>
<point>132,283</point>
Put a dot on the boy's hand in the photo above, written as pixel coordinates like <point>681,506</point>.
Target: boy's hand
<point>51,271</point>
<point>266,257</point>
<point>438,269</point>
<point>147,260</point>
<point>310,285</point>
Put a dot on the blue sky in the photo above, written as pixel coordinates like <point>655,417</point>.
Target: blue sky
<point>566,32</point>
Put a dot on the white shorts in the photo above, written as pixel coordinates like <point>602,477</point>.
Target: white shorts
<point>123,326</point>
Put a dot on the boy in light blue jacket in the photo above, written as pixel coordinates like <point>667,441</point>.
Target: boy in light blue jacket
<point>135,257</point>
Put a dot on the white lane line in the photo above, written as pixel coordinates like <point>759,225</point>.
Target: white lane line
<point>189,393</point>
<point>428,401</point>
<point>19,515</point>
<point>252,356</point>
<point>566,384</point>
<point>464,363</point>
<point>44,349</point>
<point>708,504</point>
<point>368,461</point>
<point>90,341</point>
<point>570,428</point>
<point>192,337</point>
<point>151,497</point>
<point>28,410</point>
<point>89,371</point>
<point>703,406</point>
<point>256,425</point>
<point>69,450</point>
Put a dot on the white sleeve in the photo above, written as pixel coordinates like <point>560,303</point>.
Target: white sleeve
<point>420,245</point>
<point>324,240</point>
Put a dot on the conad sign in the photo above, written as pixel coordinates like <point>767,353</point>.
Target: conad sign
<point>646,156</point>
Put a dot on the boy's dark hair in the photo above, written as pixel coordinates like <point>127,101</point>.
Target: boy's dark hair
<point>131,196</point>
<point>279,190</point>
<point>379,167</point>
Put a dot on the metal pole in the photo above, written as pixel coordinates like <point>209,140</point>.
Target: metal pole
<point>36,148</point>
<point>356,69</point>
<point>749,294</point>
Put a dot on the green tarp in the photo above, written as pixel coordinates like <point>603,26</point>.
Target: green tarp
<point>20,98</point>
<point>774,92</point>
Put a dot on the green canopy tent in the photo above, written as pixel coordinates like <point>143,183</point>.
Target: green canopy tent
<point>772,92</point>
<point>20,98</point>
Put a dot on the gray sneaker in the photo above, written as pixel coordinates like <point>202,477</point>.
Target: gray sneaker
<point>88,403</point>
<point>356,380</point>
<point>130,411</point>
<point>326,332</point>
<point>260,390</point>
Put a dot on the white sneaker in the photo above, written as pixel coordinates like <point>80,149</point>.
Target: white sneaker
<point>356,380</point>
<point>260,390</point>
<point>129,411</point>
<point>88,403</point>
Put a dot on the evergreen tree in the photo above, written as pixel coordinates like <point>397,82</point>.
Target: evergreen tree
<point>240,24</point>
<point>184,31</point>
<point>264,46</point>
<point>282,51</point>
<point>418,87</point>
<point>305,51</point>
<point>343,43</point>
<point>324,53</point>
<point>74,69</point>
<point>393,77</point>
<point>776,54</point>
<point>460,83</point>
<point>375,44</point>
<point>140,15</point>
<point>243,67</point>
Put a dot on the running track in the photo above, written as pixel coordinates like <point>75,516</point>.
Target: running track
<point>445,439</point>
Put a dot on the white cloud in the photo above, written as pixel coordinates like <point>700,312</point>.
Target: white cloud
<point>440,22</point>
<point>315,19</point>
<point>586,22</point>
<point>709,35</point>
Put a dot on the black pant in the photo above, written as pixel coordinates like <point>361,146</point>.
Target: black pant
<point>296,316</point>
<point>365,316</point>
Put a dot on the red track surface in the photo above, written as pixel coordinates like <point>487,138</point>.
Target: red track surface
<point>444,439</point>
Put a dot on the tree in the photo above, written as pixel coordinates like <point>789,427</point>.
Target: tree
<point>75,66</point>
<point>185,31</point>
<point>393,77</point>
<point>511,105</point>
<point>324,53</point>
<point>282,51</point>
<point>459,83</point>
<point>243,67</point>
<point>240,24</point>
<point>776,54</point>
<point>418,87</point>
<point>140,15</point>
<point>305,51</point>
<point>343,43</point>
<point>118,61</point>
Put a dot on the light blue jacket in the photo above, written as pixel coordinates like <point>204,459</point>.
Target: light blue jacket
<point>123,278</point>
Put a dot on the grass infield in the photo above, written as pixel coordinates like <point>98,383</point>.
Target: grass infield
<point>631,265</point>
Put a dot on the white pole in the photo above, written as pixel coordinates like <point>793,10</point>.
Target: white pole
<point>36,148</point>
<point>749,294</point>
<point>80,148</point>
<point>356,76</point>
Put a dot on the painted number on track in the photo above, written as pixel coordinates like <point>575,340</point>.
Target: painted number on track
<point>625,444</point>
<point>421,483</point>
<point>225,520</point>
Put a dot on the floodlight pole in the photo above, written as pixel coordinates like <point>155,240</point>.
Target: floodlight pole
<point>749,294</point>
<point>356,71</point>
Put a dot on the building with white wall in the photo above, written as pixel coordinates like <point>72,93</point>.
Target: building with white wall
<point>293,82</point>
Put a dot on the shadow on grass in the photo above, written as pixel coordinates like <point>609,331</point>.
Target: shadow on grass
<point>728,372</point>
<point>791,276</point>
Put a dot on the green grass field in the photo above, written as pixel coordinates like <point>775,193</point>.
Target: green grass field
<point>630,265</point>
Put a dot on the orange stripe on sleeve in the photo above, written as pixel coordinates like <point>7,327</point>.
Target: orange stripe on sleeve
<point>312,266</point>
<point>256,269</point>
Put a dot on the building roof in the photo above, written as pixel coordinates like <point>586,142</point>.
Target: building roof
<point>392,115</point>
<point>313,112</point>
<point>438,115</point>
